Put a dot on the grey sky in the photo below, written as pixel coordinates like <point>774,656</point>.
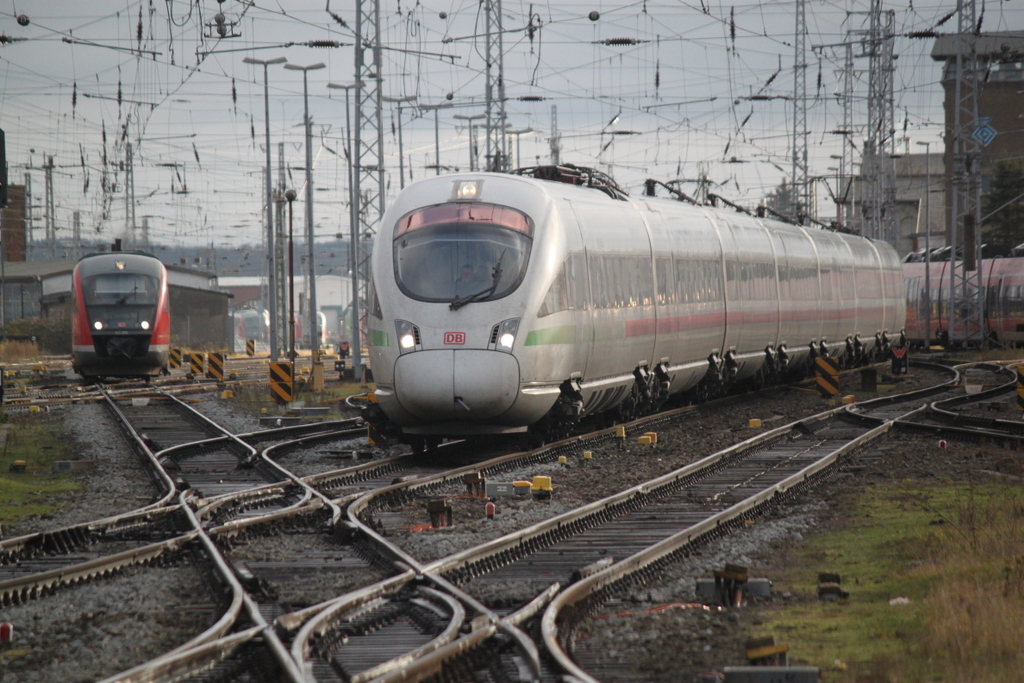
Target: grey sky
<point>194,111</point>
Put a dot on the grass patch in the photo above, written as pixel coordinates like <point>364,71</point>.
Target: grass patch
<point>956,552</point>
<point>38,440</point>
<point>15,351</point>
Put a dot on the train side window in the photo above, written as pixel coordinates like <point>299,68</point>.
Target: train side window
<point>665,272</point>
<point>559,296</point>
<point>374,301</point>
<point>578,281</point>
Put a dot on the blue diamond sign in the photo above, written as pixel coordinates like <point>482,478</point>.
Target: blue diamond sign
<point>984,133</point>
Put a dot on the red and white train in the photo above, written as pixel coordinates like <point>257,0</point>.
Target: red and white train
<point>121,324</point>
<point>1003,282</point>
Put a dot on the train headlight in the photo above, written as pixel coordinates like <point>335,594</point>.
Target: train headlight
<point>466,189</point>
<point>408,336</point>
<point>145,324</point>
<point>98,325</point>
<point>503,336</point>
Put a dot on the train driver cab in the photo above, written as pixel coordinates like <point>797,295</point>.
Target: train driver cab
<point>120,301</point>
<point>461,252</point>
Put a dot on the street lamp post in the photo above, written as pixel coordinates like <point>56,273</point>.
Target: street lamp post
<point>928,246</point>
<point>353,220</point>
<point>290,196</point>
<point>437,131</point>
<point>401,156</point>
<point>272,298</point>
<point>314,322</point>
<point>472,135</point>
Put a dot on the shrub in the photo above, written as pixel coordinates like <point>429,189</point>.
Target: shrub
<point>52,335</point>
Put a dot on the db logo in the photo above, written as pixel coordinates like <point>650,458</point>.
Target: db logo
<point>454,338</point>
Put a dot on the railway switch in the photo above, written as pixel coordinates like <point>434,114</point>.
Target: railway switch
<point>541,487</point>
<point>499,489</point>
<point>440,511</point>
<point>730,585</point>
<point>474,484</point>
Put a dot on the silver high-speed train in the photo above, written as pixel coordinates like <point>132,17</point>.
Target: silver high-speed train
<point>506,303</point>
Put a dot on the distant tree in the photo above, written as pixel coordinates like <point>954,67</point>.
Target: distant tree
<point>1005,228</point>
<point>781,198</point>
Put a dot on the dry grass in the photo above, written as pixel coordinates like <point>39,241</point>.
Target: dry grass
<point>14,351</point>
<point>974,613</point>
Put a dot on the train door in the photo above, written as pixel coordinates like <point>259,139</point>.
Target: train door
<point>579,291</point>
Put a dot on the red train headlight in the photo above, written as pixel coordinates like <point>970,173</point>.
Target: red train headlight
<point>145,324</point>
<point>98,325</point>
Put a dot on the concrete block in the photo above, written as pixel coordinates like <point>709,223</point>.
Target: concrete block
<point>314,411</point>
<point>771,674</point>
<point>761,588</point>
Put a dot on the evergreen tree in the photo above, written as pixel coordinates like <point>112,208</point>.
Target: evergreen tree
<point>1005,227</point>
<point>781,198</point>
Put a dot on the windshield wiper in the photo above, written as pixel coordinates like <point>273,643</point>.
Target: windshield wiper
<point>459,302</point>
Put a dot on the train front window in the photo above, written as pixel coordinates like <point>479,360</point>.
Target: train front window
<point>462,252</point>
<point>120,289</point>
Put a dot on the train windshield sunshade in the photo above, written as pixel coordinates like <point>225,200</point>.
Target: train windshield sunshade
<point>500,216</point>
<point>461,253</point>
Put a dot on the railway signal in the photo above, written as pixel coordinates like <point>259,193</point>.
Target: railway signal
<point>900,360</point>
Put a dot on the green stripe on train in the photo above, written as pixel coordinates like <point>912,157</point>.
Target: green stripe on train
<point>562,334</point>
<point>378,338</point>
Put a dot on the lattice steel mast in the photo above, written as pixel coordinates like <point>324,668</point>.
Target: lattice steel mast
<point>880,174</point>
<point>368,158</point>
<point>496,152</point>
<point>966,294</point>
<point>799,197</point>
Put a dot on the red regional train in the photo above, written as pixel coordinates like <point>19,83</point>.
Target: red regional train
<point>1003,280</point>
<point>121,324</point>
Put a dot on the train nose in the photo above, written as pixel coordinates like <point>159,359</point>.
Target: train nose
<point>463,384</point>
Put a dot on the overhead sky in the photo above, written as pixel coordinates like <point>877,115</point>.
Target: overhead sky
<point>80,80</point>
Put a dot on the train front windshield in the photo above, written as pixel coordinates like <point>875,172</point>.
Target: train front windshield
<point>462,252</point>
<point>121,296</point>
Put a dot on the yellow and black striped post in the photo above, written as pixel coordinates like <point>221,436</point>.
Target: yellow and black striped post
<point>174,358</point>
<point>215,366</point>
<point>1020,388</point>
<point>282,382</point>
<point>198,363</point>
<point>826,370</point>
<point>250,347</point>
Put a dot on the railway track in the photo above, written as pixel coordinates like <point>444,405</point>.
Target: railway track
<point>281,546</point>
<point>706,499</point>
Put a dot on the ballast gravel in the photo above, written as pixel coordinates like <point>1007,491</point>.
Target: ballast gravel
<point>45,650</point>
